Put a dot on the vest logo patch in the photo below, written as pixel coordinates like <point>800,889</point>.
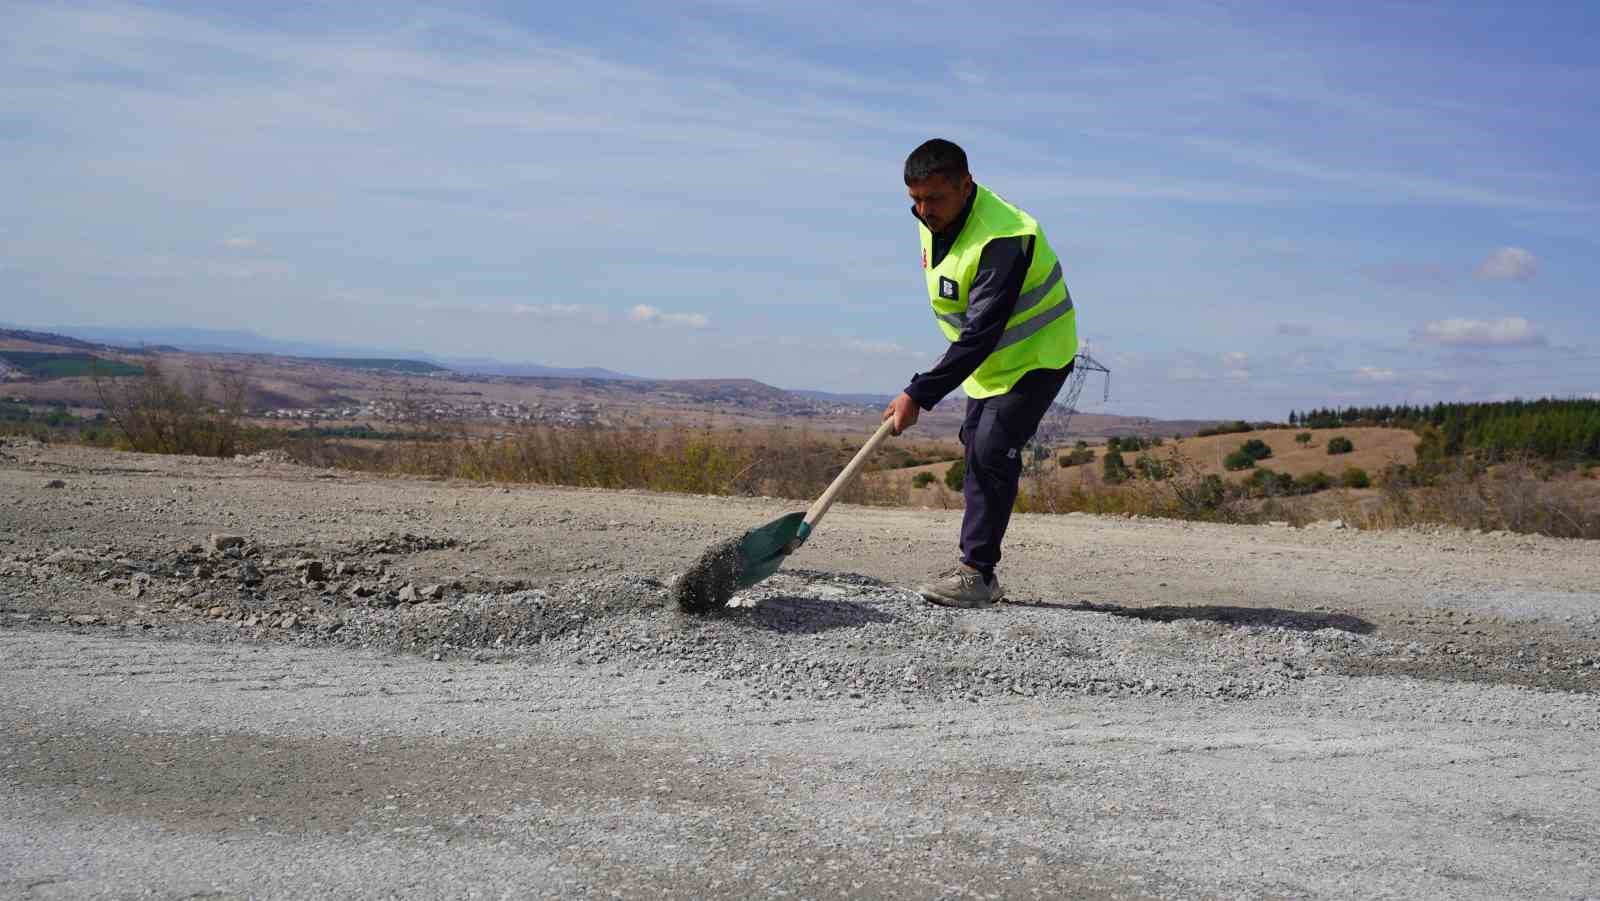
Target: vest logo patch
<point>947,288</point>
<point>924,257</point>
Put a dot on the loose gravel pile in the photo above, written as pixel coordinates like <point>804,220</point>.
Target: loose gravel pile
<point>138,543</point>
<point>801,633</point>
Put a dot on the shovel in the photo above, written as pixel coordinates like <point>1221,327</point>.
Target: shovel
<point>742,562</point>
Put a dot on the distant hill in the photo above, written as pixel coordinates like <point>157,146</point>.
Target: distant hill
<point>485,366</point>
<point>17,337</point>
<point>197,340</point>
<point>200,340</point>
<point>378,364</point>
<point>27,355</point>
<point>865,400</point>
<point>733,393</point>
<point>296,387</point>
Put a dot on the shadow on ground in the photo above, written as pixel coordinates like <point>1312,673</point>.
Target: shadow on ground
<point>807,615</point>
<point>1227,615</point>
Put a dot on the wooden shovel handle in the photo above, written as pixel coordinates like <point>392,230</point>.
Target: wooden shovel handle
<point>843,480</point>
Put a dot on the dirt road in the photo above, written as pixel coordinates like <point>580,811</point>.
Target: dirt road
<point>250,679</point>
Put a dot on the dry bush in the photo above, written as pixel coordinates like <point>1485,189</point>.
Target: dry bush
<point>780,463</point>
<point>1462,492</point>
<point>1185,492</point>
<point>156,413</point>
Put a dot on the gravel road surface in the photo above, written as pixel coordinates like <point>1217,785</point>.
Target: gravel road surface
<point>250,679</point>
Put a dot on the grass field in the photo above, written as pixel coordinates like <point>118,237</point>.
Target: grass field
<point>43,365</point>
<point>1375,448</point>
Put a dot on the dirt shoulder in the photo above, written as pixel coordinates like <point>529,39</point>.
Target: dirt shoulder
<point>395,686</point>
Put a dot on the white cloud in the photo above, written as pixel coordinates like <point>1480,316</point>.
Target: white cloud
<point>1236,366</point>
<point>1374,374</point>
<point>647,313</point>
<point>1512,331</point>
<point>240,243</point>
<point>1508,264</point>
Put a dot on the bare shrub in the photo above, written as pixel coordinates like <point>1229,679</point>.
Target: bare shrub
<point>1185,492</point>
<point>1509,496</point>
<point>1094,495</point>
<point>155,413</point>
<point>696,461</point>
<point>786,463</point>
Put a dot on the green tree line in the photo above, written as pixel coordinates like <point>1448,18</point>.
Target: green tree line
<point>1549,428</point>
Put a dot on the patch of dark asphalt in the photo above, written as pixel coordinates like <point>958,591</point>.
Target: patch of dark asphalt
<point>1483,665</point>
<point>802,615</point>
<point>1493,651</point>
<point>1277,617</point>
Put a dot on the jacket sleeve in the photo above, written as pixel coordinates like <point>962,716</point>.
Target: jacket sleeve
<point>990,302</point>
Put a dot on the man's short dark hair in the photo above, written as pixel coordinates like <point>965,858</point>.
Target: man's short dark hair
<point>936,157</point>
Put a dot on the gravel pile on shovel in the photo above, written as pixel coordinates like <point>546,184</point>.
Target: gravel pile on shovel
<point>706,586</point>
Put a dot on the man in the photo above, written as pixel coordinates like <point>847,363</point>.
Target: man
<point>998,296</point>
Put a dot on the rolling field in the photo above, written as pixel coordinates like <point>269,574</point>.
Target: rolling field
<point>1375,448</point>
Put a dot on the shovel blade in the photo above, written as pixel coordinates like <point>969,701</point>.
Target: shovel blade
<point>761,550</point>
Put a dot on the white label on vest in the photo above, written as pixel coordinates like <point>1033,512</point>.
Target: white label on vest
<point>947,288</point>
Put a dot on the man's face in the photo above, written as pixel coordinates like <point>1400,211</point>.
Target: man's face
<point>938,199</point>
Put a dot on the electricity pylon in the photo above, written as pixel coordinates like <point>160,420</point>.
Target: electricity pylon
<point>1053,430</point>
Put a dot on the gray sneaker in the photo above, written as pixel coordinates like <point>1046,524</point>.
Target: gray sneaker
<point>961,587</point>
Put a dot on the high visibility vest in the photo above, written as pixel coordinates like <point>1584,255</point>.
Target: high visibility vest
<point>1042,332</point>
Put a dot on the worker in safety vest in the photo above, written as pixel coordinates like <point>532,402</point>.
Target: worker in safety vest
<point>999,297</point>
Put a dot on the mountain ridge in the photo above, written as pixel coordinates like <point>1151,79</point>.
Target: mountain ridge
<point>308,380</point>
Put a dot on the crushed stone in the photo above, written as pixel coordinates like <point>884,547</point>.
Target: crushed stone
<point>709,583</point>
<point>799,634</point>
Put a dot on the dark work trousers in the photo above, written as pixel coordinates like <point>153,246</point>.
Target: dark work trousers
<point>994,432</point>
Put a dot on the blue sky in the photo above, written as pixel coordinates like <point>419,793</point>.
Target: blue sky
<point>1259,207</point>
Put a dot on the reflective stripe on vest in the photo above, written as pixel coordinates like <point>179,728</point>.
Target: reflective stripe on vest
<point>1027,299</point>
<point>1022,331</point>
